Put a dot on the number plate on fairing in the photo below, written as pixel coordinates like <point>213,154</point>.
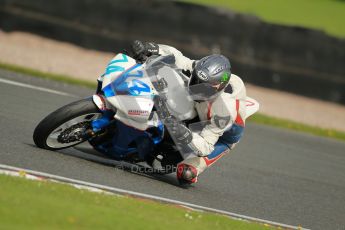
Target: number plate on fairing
<point>128,90</point>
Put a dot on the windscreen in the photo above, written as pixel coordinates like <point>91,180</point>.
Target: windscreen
<point>173,98</point>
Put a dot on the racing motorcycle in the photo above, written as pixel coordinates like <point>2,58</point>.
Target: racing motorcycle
<point>127,118</point>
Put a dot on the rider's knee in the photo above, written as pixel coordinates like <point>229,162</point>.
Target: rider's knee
<point>186,174</point>
<point>232,136</point>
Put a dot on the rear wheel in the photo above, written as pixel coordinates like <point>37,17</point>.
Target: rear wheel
<point>66,126</point>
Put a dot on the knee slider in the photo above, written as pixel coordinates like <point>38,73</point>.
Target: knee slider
<point>187,173</point>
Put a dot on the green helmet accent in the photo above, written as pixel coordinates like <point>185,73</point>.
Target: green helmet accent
<point>225,77</point>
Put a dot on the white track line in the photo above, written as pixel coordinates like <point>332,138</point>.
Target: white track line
<point>147,196</point>
<point>2,80</point>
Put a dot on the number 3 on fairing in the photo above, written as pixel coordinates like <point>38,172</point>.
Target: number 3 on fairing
<point>139,87</point>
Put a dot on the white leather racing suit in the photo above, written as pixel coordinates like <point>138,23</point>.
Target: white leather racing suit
<point>222,118</point>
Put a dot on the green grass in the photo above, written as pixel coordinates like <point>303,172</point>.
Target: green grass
<point>326,15</point>
<point>27,204</point>
<point>50,76</point>
<point>257,118</point>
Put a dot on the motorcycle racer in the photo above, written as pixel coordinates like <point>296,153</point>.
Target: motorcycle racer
<point>156,106</point>
<point>220,104</point>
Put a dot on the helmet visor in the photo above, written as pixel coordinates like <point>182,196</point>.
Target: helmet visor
<point>200,90</point>
<point>203,91</point>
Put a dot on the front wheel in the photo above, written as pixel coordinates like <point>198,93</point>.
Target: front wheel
<point>65,127</point>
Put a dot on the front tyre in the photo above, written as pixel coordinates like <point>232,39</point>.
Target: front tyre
<point>65,127</point>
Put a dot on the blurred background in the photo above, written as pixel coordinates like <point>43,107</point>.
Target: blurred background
<point>290,54</point>
<point>292,46</point>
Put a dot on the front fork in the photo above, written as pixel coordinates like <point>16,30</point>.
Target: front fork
<point>107,116</point>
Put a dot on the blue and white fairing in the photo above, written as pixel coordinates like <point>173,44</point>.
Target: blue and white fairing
<point>128,87</point>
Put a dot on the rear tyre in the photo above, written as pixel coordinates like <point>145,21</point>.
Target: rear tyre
<point>64,127</point>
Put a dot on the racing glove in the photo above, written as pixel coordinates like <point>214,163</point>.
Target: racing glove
<point>181,134</point>
<point>141,49</point>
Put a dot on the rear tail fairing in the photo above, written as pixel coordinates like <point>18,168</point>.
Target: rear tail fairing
<point>252,106</point>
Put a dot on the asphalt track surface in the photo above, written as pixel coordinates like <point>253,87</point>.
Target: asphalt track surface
<point>273,174</point>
